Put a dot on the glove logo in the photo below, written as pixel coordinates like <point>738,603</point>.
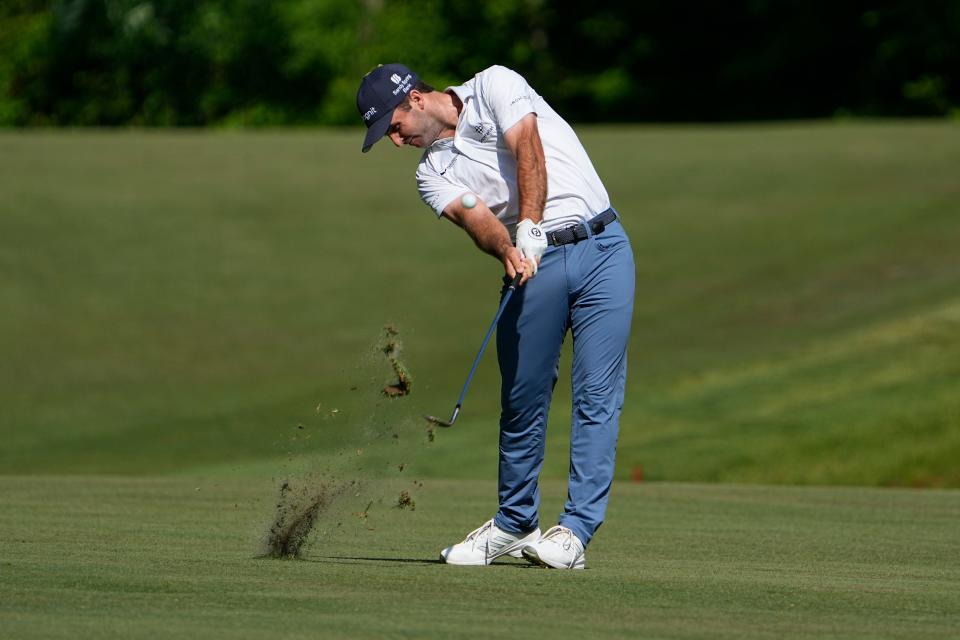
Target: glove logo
<point>535,232</point>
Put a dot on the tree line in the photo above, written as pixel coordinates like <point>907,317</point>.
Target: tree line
<point>298,62</point>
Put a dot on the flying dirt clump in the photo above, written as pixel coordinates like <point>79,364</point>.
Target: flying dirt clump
<point>297,511</point>
<point>391,346</point>
<point>406,502</point>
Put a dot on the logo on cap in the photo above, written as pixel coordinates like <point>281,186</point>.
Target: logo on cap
<point>404,84</point>
<point>370,113</point>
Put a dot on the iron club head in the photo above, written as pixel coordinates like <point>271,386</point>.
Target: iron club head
<point>443,423</point>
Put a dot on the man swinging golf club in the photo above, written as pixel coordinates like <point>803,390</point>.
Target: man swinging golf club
<point>500,163</point>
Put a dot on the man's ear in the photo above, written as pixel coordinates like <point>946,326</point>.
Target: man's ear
<point>417,100</point>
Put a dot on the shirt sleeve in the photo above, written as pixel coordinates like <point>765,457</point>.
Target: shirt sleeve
<point>507,95</point>
<point>437,191</point>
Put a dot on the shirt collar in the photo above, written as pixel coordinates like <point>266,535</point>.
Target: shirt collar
<point>463,92</point>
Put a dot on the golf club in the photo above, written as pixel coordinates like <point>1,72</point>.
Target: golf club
<point>476,361</point>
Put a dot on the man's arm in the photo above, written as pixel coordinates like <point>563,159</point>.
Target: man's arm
<point>489,234</point>
<point>523,140</point>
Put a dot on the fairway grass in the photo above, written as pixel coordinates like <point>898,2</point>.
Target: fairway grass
<point>175,301</point>
<point>187,319</point>
<point>99,557</point>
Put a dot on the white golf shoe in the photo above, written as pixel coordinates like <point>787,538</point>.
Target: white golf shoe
<point>484,545</point>
<point>558,548</point>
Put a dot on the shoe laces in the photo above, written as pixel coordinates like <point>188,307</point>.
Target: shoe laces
<point>480,534</point>
<point>561,536</point>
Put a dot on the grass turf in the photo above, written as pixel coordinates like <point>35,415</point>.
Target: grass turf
<point>196,313</point>
<point>174,301</point>
<point>146,557</point>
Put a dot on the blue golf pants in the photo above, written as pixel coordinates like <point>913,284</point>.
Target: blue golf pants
<point>587,288</point>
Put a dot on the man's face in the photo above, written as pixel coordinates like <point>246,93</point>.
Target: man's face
<point>414,126</point>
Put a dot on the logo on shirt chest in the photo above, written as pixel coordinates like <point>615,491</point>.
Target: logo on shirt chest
<point>481,132</point>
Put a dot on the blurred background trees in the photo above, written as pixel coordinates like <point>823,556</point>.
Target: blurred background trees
<point>291,62</point>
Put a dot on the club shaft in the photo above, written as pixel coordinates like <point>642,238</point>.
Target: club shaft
<point>486,339</point>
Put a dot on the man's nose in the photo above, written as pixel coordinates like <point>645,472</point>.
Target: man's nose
<point>396,139</point>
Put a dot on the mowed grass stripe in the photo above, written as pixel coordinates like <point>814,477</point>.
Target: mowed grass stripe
<point>123,557</point>
<point>893,386</point>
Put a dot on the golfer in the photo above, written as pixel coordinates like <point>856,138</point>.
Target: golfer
<point>501,164</point>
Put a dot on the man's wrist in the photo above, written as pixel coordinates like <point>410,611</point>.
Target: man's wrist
<point>534,218</point>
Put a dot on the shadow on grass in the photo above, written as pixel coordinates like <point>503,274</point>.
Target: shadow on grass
<point>423,561</point>
<point>355,560</point>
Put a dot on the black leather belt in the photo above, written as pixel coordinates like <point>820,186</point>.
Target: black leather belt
<point>578,232</point>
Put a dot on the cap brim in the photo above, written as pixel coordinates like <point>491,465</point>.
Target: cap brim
<point>377,130</point>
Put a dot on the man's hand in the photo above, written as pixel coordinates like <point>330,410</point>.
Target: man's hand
<point>513,263</point>
<point>531,243</point>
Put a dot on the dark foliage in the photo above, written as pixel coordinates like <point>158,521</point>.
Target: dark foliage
<point>253,62</point>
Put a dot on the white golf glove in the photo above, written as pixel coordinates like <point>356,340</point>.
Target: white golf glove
<point>531,242</point>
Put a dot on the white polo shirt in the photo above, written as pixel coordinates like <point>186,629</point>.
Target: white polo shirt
<point>476,159</point>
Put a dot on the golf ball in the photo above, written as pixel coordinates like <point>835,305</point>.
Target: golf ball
<point>469,201</point>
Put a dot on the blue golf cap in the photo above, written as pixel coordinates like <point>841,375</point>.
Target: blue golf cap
<point>380,92</point>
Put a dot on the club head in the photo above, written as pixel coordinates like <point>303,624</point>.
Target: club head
<point>443,423</point>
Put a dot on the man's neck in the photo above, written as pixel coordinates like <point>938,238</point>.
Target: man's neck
<point>455,100</point>
<point>451,107</point>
